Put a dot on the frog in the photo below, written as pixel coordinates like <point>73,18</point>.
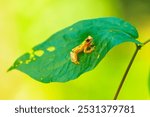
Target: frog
<point>86,47</point>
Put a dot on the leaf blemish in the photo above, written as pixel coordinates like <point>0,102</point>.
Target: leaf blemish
<point>105,44</point>
<point>27,61</point>
<point>20,62</point>
<point>41,78</point>
<point>71,29</point>
<point>98,56</point>
<point>39,53</point>
<point>110,31</point>
<point>31,53</point>
<point>34,59</point>
<point>51,49</point>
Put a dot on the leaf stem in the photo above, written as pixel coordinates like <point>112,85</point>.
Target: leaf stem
<point>138,47</point>
<point>147,41</point>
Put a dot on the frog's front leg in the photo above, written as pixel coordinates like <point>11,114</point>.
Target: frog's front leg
<point>86,50</point>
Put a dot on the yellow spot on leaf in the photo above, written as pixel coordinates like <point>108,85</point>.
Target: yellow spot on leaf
<point>31,52</point>
<point>39,53</point>
<point>51,49</point>
<point>31,55</point>
<point>20,62</point>
<point>34,59</point>
<point>27,61</point>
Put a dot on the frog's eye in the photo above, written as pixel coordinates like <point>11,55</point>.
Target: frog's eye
<point>88,40</point>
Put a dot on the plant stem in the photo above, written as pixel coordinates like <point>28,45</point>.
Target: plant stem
<point>146,42</point>
<point>138,47</point>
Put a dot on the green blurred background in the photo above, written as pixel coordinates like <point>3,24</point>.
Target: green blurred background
<point>26,23</point>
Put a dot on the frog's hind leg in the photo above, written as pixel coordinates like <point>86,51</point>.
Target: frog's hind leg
<point>74,57</point>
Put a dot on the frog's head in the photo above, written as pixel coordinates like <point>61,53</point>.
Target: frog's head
<point>89,39</point>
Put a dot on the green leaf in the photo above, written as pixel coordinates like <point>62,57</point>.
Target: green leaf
<point>50,61</point>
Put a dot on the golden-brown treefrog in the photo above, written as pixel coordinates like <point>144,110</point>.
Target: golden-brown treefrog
<point>86,46</point>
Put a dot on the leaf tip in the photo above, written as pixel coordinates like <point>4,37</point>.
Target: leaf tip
<point>11,68</point>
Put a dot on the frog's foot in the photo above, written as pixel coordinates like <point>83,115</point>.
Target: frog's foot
<point>92,44</point>
<point>93,48</point>
<point>77,62</point>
